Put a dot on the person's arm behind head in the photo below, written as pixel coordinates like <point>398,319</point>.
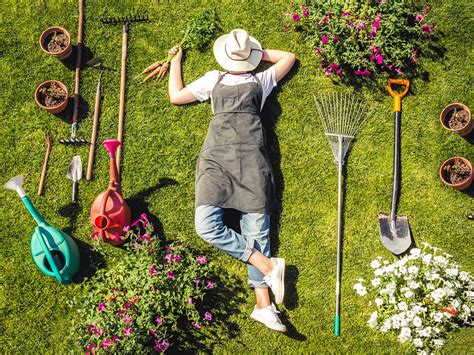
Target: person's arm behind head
<point>179,94</point>
<point>283,61</point>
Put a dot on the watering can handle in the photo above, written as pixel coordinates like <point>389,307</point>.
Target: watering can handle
<point>397,102</point>
<point>49,257</point>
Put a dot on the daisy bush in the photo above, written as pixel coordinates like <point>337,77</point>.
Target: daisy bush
<point>420,298</point>
<point>146,297</point>
<point>359,39</point>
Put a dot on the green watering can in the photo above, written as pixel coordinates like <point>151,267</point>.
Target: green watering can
<point>53,251</point>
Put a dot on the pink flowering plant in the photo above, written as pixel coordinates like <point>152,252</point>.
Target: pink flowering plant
<point>362,39</point>
<point>145,297</point>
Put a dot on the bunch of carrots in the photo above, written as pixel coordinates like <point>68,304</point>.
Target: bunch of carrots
<point>200,31</point>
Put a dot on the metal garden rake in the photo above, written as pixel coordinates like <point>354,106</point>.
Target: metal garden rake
<point>342,115</point>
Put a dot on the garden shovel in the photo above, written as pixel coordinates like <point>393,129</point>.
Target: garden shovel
<point>74,173</point>
<point>395,230</point>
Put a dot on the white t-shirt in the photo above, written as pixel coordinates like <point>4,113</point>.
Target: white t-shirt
<point>202,87</point>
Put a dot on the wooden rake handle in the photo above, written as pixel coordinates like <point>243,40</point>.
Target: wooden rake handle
<point>47,138</point>
<point>123,78</point>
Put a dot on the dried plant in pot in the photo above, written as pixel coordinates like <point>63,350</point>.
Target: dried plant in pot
<point>456,172</point>
<point>56,41</point>
<point>456,117</point>
<point>52,96</point>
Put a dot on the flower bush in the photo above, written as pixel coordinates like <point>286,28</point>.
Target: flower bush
<point>145,298</point>
<point>360,39</point>
<point>420,298</point>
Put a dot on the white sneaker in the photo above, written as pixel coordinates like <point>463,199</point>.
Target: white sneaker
<point>268,316</point>
<point>276,280</point>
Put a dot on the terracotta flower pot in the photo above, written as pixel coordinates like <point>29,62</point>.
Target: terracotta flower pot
<point>39,97</point>
<point>446,115</point>
<point>461,185</point>
<point>46,36</point>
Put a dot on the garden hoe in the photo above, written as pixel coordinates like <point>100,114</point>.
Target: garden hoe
<point>54,252</point>
<point>74,139</point>
<point>395,230</point>
<point>342,116</point>
<point>125,21</point>
<point>74,173</point>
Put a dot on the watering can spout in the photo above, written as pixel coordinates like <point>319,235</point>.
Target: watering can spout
<point>16,184</point>
<point>112,145</point>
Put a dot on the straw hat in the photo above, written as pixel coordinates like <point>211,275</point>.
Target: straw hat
<point>237,51</point>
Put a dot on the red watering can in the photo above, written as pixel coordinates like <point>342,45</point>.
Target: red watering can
<point>110,213</point>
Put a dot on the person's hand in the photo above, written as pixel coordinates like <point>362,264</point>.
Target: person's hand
<point>177,52</point>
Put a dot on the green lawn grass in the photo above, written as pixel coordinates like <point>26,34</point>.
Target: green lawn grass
<point>163,141</point>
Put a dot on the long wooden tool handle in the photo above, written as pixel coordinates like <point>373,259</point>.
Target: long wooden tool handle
<point>43,171</point>
<point>78,62</point>
<point>123,77</point>
<point>95,125</point>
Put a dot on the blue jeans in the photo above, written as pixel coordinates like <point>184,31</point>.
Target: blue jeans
<point>255,229</point>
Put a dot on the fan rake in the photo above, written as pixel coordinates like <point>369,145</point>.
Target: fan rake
<point>342,115</point>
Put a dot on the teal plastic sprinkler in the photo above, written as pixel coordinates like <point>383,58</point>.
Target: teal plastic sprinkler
<point>53,251</point>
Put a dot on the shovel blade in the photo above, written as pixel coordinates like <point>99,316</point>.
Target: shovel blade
<point>397,239</point>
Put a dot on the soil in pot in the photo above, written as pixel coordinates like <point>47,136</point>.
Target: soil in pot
<point>457,172</point>
<point>56,42</point>
<point>52,95</point>
<point>457,118</point>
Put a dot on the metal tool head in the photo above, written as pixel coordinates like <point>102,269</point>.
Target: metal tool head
<point>74,171</point>
<point>395,234</point>
<point>73,140</point>
<point>125,19</point>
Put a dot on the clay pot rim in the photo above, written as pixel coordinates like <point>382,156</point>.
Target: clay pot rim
<point>62,85</point>
<point>49,30</point>
<point>449,108</point>
<point>465,160</point>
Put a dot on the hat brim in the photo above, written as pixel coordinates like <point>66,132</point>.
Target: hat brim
<point>230,64</point>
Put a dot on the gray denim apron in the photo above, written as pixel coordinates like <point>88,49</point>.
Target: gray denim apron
<point>233,169</point>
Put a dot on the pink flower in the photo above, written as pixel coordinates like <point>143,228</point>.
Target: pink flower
<point>196,281</point>
<point>324,39</point>
<point>190,300</point>
<point>135,223</point>
<point>117,236</point>
<point>127,305</point>
<point>153,271</point>
<point>90,328</point>
<point>144,217</point>
<point>389,67</point>
<point>170,275</point>
<point>102,306</point>
<point>334,65</point>
<point>126,229</point>
<point>305,11</point>
<point>379,59</point>
<point>106,343</point>
<point>335,39</point>
<point>296,18</point>
<point>426,9</point>
<point>127,331</point>
<point>382,2</point>
<point>98,331</point>
<point>420,17</point>
<point>210,284</point>
<point>286,26</point>
<point>202,260</point>
<point>328,71</point>
<point>197,325</point>
<point>169,248</point>
<point>158,320</point>
<point>399,71</point>
<point>208,316</point>
<point>115,339</point>
<point>169,257</point>
<point>339,72</point>
<point>345,13</point>
<point>89,348</point>
<point>426,29</point>
<point>360,25</point>
<point>127,319</point>
<point>319,51</point>
<point>94,235</point>
<point>177,258</point>
<point>136,245</point>
<point>376,24</point>
<point>372,58</point>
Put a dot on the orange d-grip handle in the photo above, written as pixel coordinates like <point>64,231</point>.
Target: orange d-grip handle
<point>397,102</point>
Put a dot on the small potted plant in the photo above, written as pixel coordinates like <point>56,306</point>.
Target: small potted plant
<point>56,41</point>
<point>456,172</point>
<point>456,118</point>
<point>52,96</point>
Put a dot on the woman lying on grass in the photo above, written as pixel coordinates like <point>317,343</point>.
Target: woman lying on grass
<point>233,170</point>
